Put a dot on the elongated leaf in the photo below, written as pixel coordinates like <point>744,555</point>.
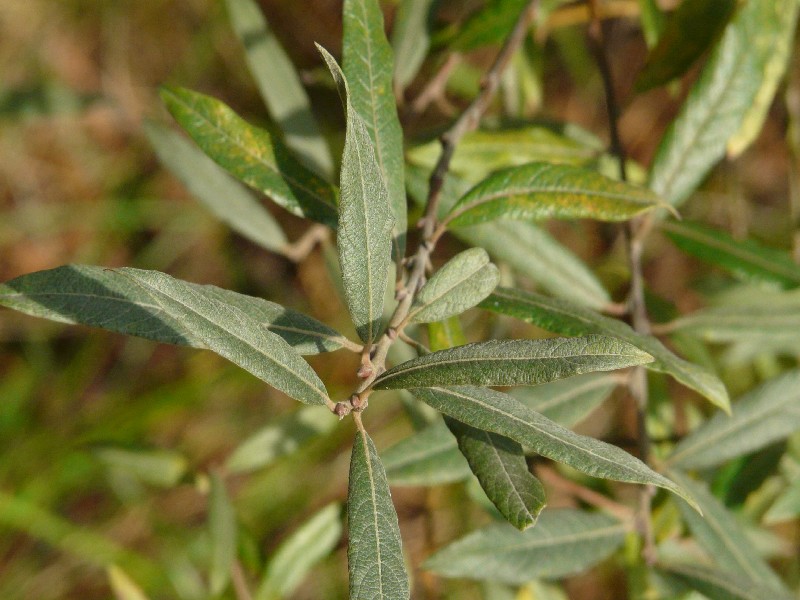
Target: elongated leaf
<point>745,258</point>
<point>374,552</point>
<point>279,438</point>
<point>365,219</point>
<point>513,362</point>
<point>368,67</point>
<point>218,191</point>
<point>568,401</point>
<point>769,413</point>
<point>690,30</point>
<point>500,413</point>
<point>156,467</point>
<point>429,457</point>
<point>564,542</point>
<point>720,585</point>
<point>252,155</point>
<point>563,317</point>
<point>233,334</point>
<point>222,530</point>
<point>786,506</point>
<point>411,38</point>
<point>539,191</point>
<point>721,535</point>
<point>500,466</point>
<point>279,85</point>
<point>487,26</point>
<point>742,322</point>
<point>461,283</point>
<point>122,585</point>
<point>295,557</point>
<point>718,103</point>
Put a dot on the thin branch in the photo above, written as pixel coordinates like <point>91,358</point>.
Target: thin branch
<point>434,90</point>
<point>584,494</point>
<point>302,247</point>
<point>239,581</point>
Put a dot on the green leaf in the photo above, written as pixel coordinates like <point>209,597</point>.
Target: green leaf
<point>122,585</point>
<point>652,21</point>
<point>745,258</point>
<point>374,553</point>
<point>293,560</point>
<point>786,506</point>
<point>564,542</point>
<point>161,468</point>
<point>500,466</point>
<point>539,191</point>
<point>411,38</point>
<point>719,102</point>
<point>563,317</point>
<point>365,219</point>
<point>715,584</point>
<point>368,66</point>
<point>500,413</point>
<point>461,283</point>
<point>222,530</point>
<point>283,436</point>
<point>512,362</point>
<point>215,189</point>
<point>490,25</point>
<point>689,31</point>
<point>569,401</point>
<point>429,457</point>
<point>722,537</point>
<point>232,333</point>
<point>252,155</point>
<point>279,85</point>
<point>769,413</point>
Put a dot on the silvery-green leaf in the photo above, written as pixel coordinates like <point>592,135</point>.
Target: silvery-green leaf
<point>411,38</point>
<point>222,531</point>
<point>122,585</point>
<point>764,320</point>
<point>227,199</point>
<point>513,362</point>
<point>768,413</point>
<point>428,457</point>
<point>279,85</point>
<point>500,413</point>
<point>561,316</point>
<point>461,283</point>
<point>162,468</point>
<point>786,506</point>
<point>564,542</point>
<point>716,584</point>
<point>365,219</point>
<point>374,552</point>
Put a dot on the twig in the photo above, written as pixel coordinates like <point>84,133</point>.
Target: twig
<point>434,89</point>
<point>302,247</point>
<point>551,477</point>
<point>239,581</point>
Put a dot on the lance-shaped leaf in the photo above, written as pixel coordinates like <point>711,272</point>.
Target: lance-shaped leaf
<point>428,457</point>
<point>745,258</point>
<point>489,25</point>
<point>411,38</point>
<point>513,362</point>
<point>252,155</point>
<point>461,283</point>
<point>563,317</point>
<point>365,219</point>
<point>368,66</point>
<point>564,542</point>
<point>769,413</point>
<point>279,85</point>
<point>233,334</point>
<point>719,101</point>
<point>500,413</point>
<point>721,535</point>
<point>161,468</point>
<point>374,551</point>
<point>500,466</point>
<point>227,199</point>
<point>222,531</point>
<point>716,584</point>
<point>538,191</point>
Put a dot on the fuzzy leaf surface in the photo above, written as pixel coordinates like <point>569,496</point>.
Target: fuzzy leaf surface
<point>364,237</point>
<point>564,542</point>
<point>374,552</point>
<point>716,584</point>
<point>428,457</point>
<point>222,531</point>
<point>252,155</point>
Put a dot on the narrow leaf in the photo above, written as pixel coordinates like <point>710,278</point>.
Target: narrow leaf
<point>512,362</point>
<point>252,155</point>
<point>489,25</point>
<point>564,542</point>
<point>767,414</point>
<point>368,67</point>
<point>715,584</point>
<point>786,506</point>
<point>411,38</point>
<point>500,466</point>
<point>222,530</point>
<point>429,457</point>
<point>279,85</point>
<point>500,413</point>
<point>538,191</point>
<point>156,467</point>
<point>215,189</point>
<point>745,258</point>
<point>365,219</point>
<point>563,317</point>
<point>123,587</point>
<point>374,553</point>
<point>461,283</point>
<point>293,560</point>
